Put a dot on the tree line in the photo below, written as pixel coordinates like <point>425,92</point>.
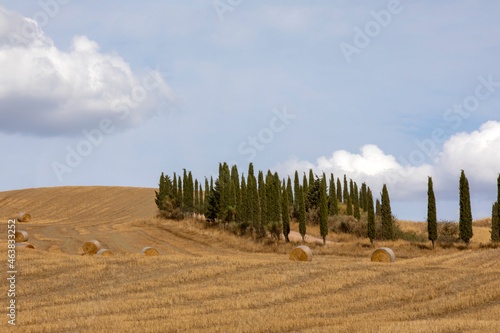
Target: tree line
<point>262,204</point>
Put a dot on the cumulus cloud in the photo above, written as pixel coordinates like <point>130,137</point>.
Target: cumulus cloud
<point>46,91</point>
<point>476,153</point>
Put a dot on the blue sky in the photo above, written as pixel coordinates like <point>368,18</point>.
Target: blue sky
<point>115,92</point>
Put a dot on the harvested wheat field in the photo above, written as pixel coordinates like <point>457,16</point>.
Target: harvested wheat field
<point>206,280</point>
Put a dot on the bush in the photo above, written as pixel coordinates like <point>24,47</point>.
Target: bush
<point>348,224</point>
<point>170,211</point>
<point>275,229</point>
<point>312,216</point>
<point>448,231</point>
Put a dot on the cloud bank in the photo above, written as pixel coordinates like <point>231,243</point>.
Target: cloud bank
<point>475,152</point>
<point>46,91</point>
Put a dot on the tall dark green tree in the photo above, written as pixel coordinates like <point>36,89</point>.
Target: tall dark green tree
<point>302,213</point>
<point>431,213</point>
<point>333,208</point>
<point>180,194</point>
<point>196,197</point>
<point>339,190</point>
<point>285,215</point>
<point>323,210</point>
<point>212,206</point>
<point>273,186</point>
<point>311,179</point>
<point>264,217</point>
<point>371,216</point>
<point>363,198</point>
<point>465,220</point>
<point>289,191</point>
<point>313,195</point>
<point>356,213</point>
<point>244,205</point>
<point>205,195</point>
<point>348,203</point>
<point>386,214</point>
<point>253,201</point>
<point>201,202</point>
<point>495,216</point>
<point>296,185</point>
<point>378,210</point>
<point>495,224</point>
<point>346,190</point>
<point>174,190</point>
<point>305,187</point>
<point>161,193</point>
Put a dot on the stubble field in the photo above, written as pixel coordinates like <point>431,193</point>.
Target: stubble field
<point>208,280</point>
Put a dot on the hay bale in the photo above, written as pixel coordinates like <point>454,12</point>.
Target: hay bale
<point>23,217</point>
<point>105,253</point>
<point>150,252</point>
<point>383,254</point>
<point>25,245</point>
<point>301,253</point>
<point>91,247</point>
<point>21,236</point>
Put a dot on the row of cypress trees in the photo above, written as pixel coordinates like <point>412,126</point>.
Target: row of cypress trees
<point>264,203</point>
<point>465,219</point>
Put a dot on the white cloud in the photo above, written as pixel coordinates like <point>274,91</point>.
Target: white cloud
<point>476,153</point>
<point>44,90</point>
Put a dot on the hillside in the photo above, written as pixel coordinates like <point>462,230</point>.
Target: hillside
<point>208,280</point>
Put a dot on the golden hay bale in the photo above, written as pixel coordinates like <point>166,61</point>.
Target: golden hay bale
<point>150,252</point>
<point>23,217</point>
<point>91,247</point>
<point>301,253</point>
<point>26,245</point>
<point>21,236</point>
<point>383,254</point>
<point>105,253</point>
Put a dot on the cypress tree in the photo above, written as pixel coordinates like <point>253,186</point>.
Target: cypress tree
<point>332,198</point>
<point>302,213</point>
<point>305,187</point>
<point>349,205</point>
<point>495,223</point>
<point>371,216</point>
<point>363,197</point>
<point>323,210</point>
<point>387,227</point>
<point>311,179</point>
<point>465,221</point>
<point>236,180</point>
<point>253,201</point>
<point>264,217</point>
<point>431,213</point>
<point>180,193</point>
<point>296,186</point>
<point>205,194</point>
<point>378,210</point>
<point>495,216</point>
<point>346,191</point>
<point>196,197</point>
<point>273,185</point>
<point>244,204</point>
<point>351,190</point>
<point>174,186</point>
<point>201,203</point>
<point>339,191</point>
<point>184,190</point>
<point>357,213</point>
<point>289,191</point>
<point>285,215</point>
<point>189,197</point>
<point>161,194</point>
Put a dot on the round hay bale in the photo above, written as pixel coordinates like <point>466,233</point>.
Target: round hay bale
<point>105,253</point>
<point>21,236</point>
<point>25,245</point>
<point>150,252</point>
<point>23,217</point>
<point>383,254</point>
<point>301,253</point>
<point>91,247</point>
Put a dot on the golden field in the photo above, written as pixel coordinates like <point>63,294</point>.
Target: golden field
<point>206,280</point>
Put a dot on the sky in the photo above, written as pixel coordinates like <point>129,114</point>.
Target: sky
<point>386,92</point>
